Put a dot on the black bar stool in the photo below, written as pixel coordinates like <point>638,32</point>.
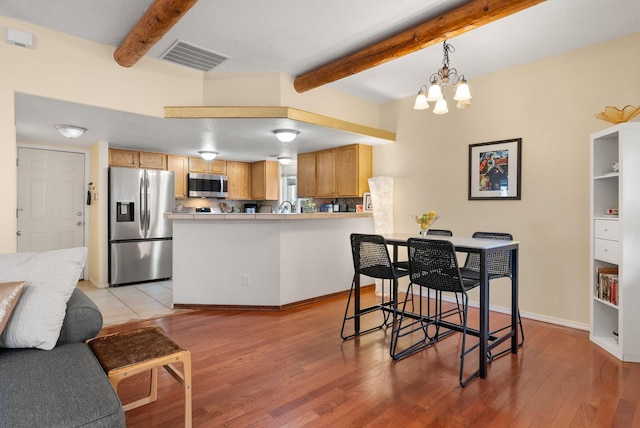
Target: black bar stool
<point>371,258</point>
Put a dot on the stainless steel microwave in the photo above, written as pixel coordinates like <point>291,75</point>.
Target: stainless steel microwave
<point>207,185</point>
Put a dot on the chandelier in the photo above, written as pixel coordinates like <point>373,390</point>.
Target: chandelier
<point>438,83</point>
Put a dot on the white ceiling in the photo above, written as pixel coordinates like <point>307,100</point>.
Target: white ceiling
<point>294,36</point>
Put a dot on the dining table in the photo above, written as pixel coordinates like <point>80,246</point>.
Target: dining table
<point>484,248</point>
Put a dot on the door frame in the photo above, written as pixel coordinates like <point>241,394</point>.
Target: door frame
<point>68,149</point>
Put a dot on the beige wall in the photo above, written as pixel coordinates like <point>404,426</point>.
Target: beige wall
<point>98,214</point>
<point>76,70</point>
<point>550,104</point>
<point>71,69</point>
<point>276,89</point>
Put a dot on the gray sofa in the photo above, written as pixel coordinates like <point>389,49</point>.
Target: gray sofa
<point>63,387</point>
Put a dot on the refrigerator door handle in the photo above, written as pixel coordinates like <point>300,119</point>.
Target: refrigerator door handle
<point>143,208</point>
<point>146,205</point>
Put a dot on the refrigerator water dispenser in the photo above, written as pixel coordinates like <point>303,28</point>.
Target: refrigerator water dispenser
<point>124,211</point>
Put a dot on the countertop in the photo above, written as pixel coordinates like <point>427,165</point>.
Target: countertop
<point>264,216</point>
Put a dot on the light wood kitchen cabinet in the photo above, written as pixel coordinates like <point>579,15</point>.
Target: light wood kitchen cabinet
<point>264,181</point>
<point>239,176</point>
<point>126,158</point>
<point>179,165</point>
<point>354,166</point>
<point>339,173</point>
<point>215,166</point>
<point>153,160</point>
<point>136,159</point>
<point>325,173</point>
<point>306,175</point>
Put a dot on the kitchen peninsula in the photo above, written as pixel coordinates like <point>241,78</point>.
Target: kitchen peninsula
<point>262,260</point>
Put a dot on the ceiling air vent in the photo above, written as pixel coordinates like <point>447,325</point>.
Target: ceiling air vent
<point>192,56</point>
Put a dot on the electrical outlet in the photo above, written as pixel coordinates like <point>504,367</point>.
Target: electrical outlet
<point>246,279</point>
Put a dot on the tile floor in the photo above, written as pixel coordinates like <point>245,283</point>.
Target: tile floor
<point>132,302</point>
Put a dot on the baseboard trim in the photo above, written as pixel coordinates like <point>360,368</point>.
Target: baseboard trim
<point>269,308</point>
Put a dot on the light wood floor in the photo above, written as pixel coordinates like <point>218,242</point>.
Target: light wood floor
<point>292,369</point>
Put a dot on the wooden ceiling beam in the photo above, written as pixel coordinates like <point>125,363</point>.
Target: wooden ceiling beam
<point>467,17</point>
<point>161,16</point>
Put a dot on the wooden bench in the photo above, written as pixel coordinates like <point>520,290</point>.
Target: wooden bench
<point>128,353</point>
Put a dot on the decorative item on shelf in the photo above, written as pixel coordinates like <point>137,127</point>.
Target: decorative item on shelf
<point>615,166</point>
<point>425,221</point>
<point>437,84</point>
<point>614,115</point>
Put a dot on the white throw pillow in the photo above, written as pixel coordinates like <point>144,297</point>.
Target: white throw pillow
<point>51,277</point>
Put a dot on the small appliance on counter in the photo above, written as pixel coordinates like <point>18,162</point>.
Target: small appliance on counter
<point>203,210</point>
<point>250,208</point>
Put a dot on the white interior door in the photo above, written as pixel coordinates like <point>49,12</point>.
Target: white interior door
<point>51,200</point>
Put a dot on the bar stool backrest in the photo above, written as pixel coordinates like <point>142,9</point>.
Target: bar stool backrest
<point>439,232</point>
<point>433,264</point>
<point>371,256</point>
<point>499,264</point>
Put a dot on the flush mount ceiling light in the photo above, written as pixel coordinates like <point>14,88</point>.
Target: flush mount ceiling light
<point>207,155</point>
<point>438,82</point>
<point>285,160</point>
<point>70,131</point>
<point>286,135</point>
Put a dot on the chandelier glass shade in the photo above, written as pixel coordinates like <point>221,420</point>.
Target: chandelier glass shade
<point>438,82</point>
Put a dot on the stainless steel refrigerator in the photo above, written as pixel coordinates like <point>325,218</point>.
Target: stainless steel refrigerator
<point>140,238</point>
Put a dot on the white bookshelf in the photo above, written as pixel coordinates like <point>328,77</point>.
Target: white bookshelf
<point>615,240</point>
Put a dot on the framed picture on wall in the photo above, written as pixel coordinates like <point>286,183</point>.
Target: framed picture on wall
<point>494,170</point>
<point>366,202</point>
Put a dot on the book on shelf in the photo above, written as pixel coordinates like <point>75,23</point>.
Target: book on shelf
<point>607,284</point>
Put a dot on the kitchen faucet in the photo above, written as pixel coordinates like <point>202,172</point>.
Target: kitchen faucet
<point>282,207</point>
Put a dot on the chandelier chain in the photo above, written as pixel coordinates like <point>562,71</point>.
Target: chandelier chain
<point>446,48</point>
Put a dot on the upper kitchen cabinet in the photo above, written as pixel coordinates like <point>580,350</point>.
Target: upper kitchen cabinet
<point>215,166</point>
<point>353,170</point>
<point>127,158</point>
<point>264,180</point>
<point>325,173</point>
<point>306,175</point>
<point>136,159</point>
<point>153,160</point>
<point>179,165</point>
<point>339,173</point>
<point>239,177</point>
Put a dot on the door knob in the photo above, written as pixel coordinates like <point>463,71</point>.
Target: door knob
<point>79,223</point>
<point>79,213</point>
<point>19,233</point>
